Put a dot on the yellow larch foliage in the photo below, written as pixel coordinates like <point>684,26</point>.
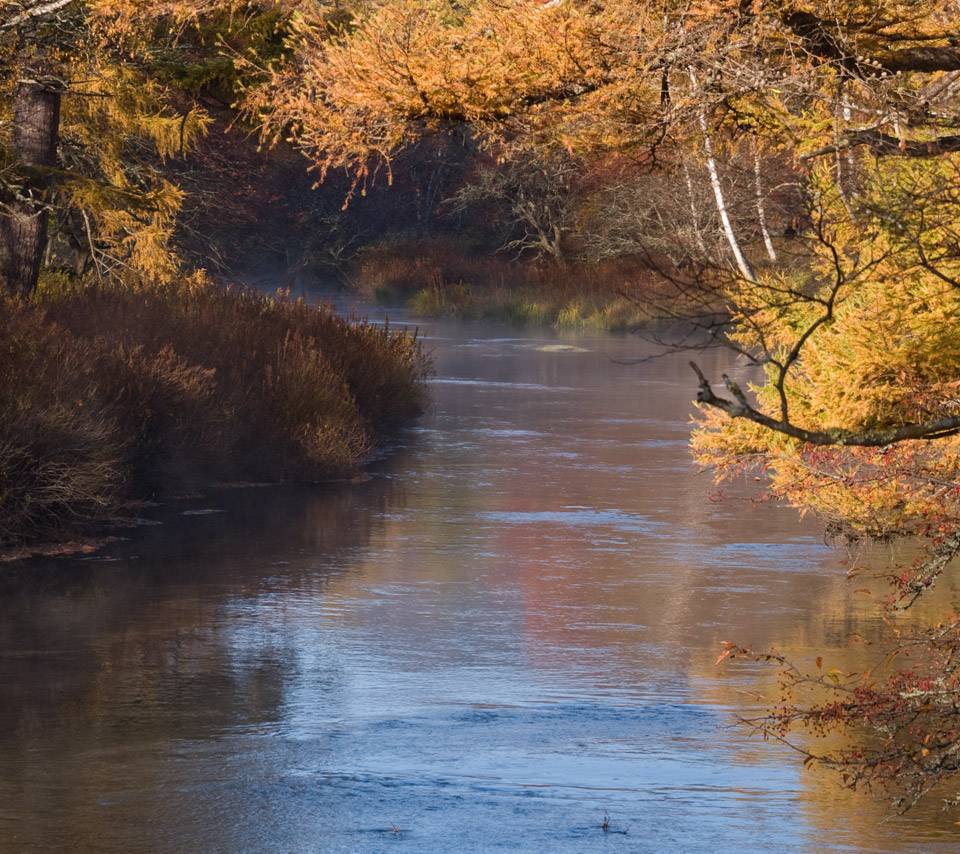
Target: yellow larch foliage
<point>884,352</point>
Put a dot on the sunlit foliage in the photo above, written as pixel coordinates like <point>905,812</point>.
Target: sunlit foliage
<point>119,79</point>
<point>856,105</point>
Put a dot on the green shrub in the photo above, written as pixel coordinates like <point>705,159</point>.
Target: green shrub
<point>521,308</point>
<point>439,278</point>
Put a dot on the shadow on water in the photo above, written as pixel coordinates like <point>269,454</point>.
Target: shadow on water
<point>130,645</point>
<point>502,641</point>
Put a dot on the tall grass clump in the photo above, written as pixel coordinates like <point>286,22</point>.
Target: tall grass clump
<point>111,394</point>
<point>61,455</point>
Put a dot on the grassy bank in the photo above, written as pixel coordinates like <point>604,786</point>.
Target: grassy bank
<point>109,396</point>
<point>436,278</point>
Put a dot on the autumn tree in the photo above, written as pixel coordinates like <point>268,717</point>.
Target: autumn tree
<point>855,411</point>
<point>98,97</point>
<point>36,94</point>
<point>863,101</point>
<point>858,413</point>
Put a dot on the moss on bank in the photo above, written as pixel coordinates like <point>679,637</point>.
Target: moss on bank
<point>109,395</point>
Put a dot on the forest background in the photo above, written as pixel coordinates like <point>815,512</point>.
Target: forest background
<point>779,175</point>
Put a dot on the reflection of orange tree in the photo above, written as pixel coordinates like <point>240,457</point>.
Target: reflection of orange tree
<point>891,718</point>
<point>754,687</point>
<point>904,716</point>
<point>910,713</point>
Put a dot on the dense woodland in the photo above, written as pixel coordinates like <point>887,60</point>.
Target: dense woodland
<point>781,175</point>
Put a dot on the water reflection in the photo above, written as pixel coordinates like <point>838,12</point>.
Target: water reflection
<point>507,631</point>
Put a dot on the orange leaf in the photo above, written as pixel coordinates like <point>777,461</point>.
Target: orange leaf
<point>729,647</point>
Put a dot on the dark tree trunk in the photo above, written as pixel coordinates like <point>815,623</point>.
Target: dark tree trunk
<point>23,227</point>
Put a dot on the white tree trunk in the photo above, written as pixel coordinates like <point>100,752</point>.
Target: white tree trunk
<point>845,112</point>
<point>745,269</point>
<point>761,214</point>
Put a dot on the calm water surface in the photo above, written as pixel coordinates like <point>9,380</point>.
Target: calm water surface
<point>504,635</point>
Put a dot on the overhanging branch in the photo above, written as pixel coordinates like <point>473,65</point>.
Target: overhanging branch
<point>740,407</point>
<point>885,145</point>
<point>828,42</point>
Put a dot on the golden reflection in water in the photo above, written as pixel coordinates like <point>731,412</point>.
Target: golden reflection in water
<point>847,626</point>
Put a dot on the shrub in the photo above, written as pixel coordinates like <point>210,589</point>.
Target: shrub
<point>61,453</point>
<point>438,278</point>
<point>110,394</point>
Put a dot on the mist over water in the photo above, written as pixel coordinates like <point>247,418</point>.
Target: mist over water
<point>501,640</point>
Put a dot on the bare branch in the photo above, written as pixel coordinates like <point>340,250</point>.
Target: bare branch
<point>740,407</point>
<point>885,145</point>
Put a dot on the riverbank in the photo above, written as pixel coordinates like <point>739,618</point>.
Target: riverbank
<point>111,396</point>
<point>437,278</point>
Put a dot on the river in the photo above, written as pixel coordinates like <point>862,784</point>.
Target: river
<point>503,639</point>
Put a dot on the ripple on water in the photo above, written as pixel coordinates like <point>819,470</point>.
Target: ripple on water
<point>480,650</point>
<point>533,777</point>
<point>579,517</point>
<point>500,384</point>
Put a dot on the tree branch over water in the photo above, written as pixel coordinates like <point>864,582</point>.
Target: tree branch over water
<point>740,407</point>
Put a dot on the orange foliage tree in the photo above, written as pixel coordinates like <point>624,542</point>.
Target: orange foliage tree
<point>856,413</point>
<point>92,97</point>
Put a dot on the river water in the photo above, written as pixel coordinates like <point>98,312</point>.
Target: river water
<point>502,640</point>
